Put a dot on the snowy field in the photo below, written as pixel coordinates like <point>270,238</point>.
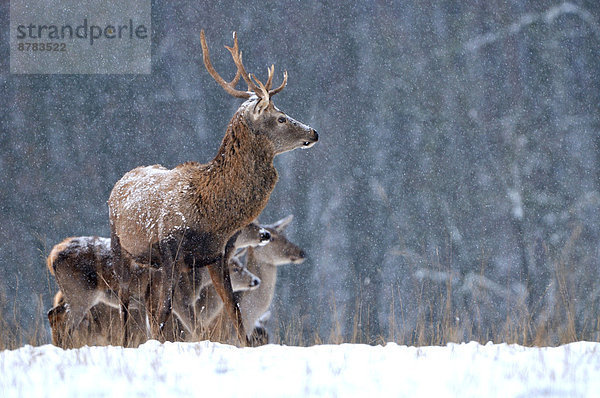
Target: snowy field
<point>204,369</point>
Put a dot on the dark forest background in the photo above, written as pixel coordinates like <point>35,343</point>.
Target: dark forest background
<point>454,193</point>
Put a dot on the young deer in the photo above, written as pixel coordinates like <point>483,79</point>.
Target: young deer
<point>84,271</point>
<point>262,261</point>
<point>182,218</point>
<point>101,325</point>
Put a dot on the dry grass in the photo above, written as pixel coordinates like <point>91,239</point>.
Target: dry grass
<point>13,334</point>
<point>433,317</point>
<point>560,329</point>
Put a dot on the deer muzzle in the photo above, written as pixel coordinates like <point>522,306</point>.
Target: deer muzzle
<point>312,140</point>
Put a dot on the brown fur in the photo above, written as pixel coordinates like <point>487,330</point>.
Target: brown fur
<point>84,272</point>
<point>56,318</point>
<point>151,204</point>
<point>51,259</point>
<point>191,283</point>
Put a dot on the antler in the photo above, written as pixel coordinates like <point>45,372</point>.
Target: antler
<point>270,81</point>
<point>237,59</point>
<point>229,87</point>
<point>263,91</point>
<point>282,86</point>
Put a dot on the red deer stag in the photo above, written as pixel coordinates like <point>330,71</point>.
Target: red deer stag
<point>182,218</point>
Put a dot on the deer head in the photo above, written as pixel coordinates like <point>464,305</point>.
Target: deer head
<point>241,278</point>
<point>280,251</point>
<point>263,118</point>
<point>252,235</point>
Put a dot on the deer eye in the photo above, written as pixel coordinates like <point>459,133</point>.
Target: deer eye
<point>265,236</point>
<point>281,119</point>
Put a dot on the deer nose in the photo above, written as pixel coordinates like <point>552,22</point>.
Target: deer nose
<point>255,282</point>
<point>302,254</point>
<point>313,139</point>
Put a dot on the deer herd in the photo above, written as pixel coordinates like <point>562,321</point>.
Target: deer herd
<point>185,251</point>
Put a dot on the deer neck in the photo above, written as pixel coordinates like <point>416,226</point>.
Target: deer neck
<point>245,160</point>
<point>254,303</point>
<point>265,271</point>
<point>241,177</point>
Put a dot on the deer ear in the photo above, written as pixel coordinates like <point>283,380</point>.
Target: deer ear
<point>282,224</point>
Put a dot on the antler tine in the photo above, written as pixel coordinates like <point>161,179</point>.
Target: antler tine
<point>264,93</point>
<point>271,70</point>
<point>236,79</point>
<point>228,87</point>
<point>278,89</point>
<point>237,58</point>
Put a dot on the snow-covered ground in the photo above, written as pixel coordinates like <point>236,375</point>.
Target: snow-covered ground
<point>204,369</point>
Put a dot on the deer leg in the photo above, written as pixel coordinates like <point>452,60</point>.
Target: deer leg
<point>165,308</point>
<point>185,314</point>
<point>219,273</point>
<point>124,313</point>
<point>169,251</point>
<point>183,300</point>
<point>123,271</point>
<point>153,303</point>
